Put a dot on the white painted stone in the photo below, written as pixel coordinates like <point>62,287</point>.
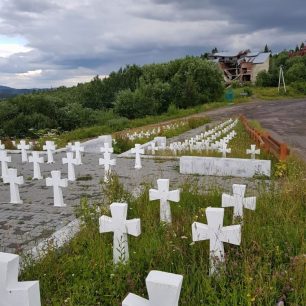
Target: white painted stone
<point>107,148</point>
<point>238,201</point>
<point>217,234</point>
<point>224,149</point>
<point>36,160</point>
<point>50,148</point>
<point>12,292</point>
<point>153,148</point>
<point>106,161</point>
<point>4,159</point>
<point>23,147</point>
<point>137,151</point>
<point>163,288</point>
<point>77,148</point>
<point>14,181</point>
<point>57,183</point>
<point>236,167</point>
<point>253,151</point>
<point>164,195</point>
<point>121,228</point>
<point>70,161</point>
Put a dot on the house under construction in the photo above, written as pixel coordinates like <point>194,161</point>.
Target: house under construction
<point>243,66</point>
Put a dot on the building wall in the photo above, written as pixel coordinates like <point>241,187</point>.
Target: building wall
<point>258,68</point>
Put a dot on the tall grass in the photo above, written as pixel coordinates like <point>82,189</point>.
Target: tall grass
<point>267,267</point>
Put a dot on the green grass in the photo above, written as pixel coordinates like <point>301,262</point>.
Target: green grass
<point>268,266</point>
<point>123,143</point>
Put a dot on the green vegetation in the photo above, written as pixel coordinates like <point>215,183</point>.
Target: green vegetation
<point>267,267</point>
<point>132,92</point>
<point>123,143</point>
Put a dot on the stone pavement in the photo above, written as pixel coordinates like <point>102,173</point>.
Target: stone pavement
<point>23,226</point>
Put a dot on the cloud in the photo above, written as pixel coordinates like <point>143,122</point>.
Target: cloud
<point>73,40</point>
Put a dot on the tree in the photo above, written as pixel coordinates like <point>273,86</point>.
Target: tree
<point>297,48</point>
<point>302,46</point>
<point>266,49</point>
<point>214,50</point>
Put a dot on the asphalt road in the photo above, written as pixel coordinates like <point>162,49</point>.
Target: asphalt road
<point>285,120</point>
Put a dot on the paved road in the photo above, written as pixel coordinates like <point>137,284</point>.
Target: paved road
<point>286,120</point>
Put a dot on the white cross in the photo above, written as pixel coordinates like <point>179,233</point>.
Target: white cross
<point>77,149</point>
<point>121,228</point>
<point>2,146</point>
<point>137,151</point>
<point>12,292</point>
<point>23,147</point>
<point>238,201</point>
<point>107,148</point>
<point>253,151</point>
<point>4,159</point>
<point>106,161</point>
<point>153,148</point>
<point>14,180</point>
<point>50,148</point>
<point>224,149</point>
<point>217,234</point>
<point>71,162</point>
<point>164,195</point>
<point>57,183</point>
<point>36,160</point>
<point>163,288</point>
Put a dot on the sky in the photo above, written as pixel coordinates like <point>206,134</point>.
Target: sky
<point>51,43</point>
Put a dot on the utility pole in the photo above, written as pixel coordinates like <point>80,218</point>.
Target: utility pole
<point>281,79</point>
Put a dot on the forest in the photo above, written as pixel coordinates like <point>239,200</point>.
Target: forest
<point>131,92</point>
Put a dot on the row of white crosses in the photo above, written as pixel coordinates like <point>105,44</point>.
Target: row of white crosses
<point>204,141</point>
<point>155,131</point>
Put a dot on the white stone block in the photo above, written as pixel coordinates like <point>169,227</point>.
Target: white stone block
<point>12,292</point>
<point>236,167</point>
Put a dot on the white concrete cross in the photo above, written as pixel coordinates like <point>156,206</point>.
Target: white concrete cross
<point>4,159</point>
<point>14,181</point>
<point>50,148</point>
<point>36,160</point>
<point>164,195</point>
<point>106,161</point>
<point>163,289</point>
<point>153,148</point>
<point>121,228</point>
<point>2,146</point>
<point>23,147</point>
<point>107,148</point>
<point>70,161</point>
<point>224,149</point>
<point>57,183</point>
<point>217,234</point>
<point>77,148</point>
<point>12,292</point>
<point>238,201</point>
<point>137,151</point>
<point>253,151</point>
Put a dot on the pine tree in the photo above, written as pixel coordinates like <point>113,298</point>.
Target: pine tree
<point>302,46</point>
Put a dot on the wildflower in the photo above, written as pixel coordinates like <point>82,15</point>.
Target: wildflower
<point>184,237</point>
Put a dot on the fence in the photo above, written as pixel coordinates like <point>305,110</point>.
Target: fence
<point>266,141</point>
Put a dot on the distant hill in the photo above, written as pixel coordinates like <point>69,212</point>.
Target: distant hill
<point>7,92</point>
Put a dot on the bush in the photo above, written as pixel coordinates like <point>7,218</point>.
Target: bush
<point>299,86</point>
<point>118,123</point>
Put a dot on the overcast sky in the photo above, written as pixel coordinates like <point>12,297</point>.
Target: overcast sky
<point>46,43</point>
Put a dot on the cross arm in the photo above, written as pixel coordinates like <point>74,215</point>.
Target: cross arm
<point>154,194</point>
<point>133,227</point>
<point>200,231</point>
<point>135,300</point>
<point>105,224</point>
<point>250,203</point>
<point>227,200</point>
<point>63,183</point>
<point>231,234</point>
<point>174,195</point>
